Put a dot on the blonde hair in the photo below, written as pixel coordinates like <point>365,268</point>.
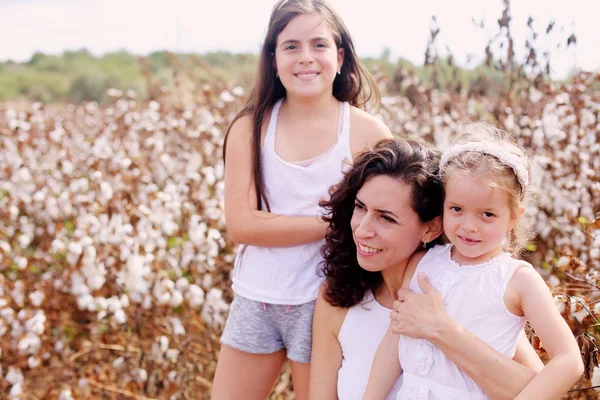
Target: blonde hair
<point>498,174</point>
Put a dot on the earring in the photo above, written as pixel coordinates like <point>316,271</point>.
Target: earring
<point>339,72</point>
<point>424,245</point>
<point>276,75</point>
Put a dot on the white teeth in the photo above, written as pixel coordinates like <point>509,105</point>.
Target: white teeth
<point>306,76</point>
<point>367,249</point>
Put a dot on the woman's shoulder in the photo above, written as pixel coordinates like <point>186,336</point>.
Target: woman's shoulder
<point>366,129</point>
<point>325,313</point>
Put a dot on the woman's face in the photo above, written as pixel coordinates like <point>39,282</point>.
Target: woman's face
<point>385,228</point>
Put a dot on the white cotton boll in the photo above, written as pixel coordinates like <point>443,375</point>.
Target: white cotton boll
<point>58,246</point>
<point>124,301</point>
<point>147,303</point>
<point>86,302</point>
<point>106,192</point>
<point>36,298</point>
<point>118,362</point>
<point>65,394</point>
<point>14,376</point>
<point>5,247</point>
<point>29,344</point>
<point>3,328</point>
<point>17,294</point>
<point>195,295</point>
<point>59,346</point>
<point>560,303</point>
<point>21,263</point>
<point>553,280</point>
<point>596,377</point>
<point>214,308</point>
<point>36,323</point>
<point>142,375</point>
<point>580,315</point>
<point>16,392</point>
<point>74,252</point>
<point>24,240</point>
<point>182,284</point>
<point>33,362</point>
<point>120,317</point>
<point>176,298</point>
<point>82,383</point>
<point>238,91</point>
<point>595,253</point>
<point>164,343</point>
<point>133,276</point>
<point>172,377</point>
<point>178,328</point>
<point>207,281</point>
<point>172,355</point>
<point>563,262</point>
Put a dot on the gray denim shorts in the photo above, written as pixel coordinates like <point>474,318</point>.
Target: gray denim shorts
<point>263,328</point>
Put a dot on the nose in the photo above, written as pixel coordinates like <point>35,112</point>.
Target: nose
<point>306,56</point>
<point>468,224</point>
<point>364,229</point>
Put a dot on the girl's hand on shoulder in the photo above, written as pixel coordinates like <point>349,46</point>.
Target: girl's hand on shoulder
<point>419,315</point>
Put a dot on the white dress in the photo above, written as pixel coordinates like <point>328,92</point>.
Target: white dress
<point>474,297</point>
<point>361,333</point>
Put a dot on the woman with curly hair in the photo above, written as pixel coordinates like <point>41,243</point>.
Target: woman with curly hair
<point>388,206</point>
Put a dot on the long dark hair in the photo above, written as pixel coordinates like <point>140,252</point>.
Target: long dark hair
<point>354,84</point>
<point>412,162</point>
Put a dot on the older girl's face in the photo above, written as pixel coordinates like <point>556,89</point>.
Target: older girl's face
<point>306,56</point>
<point>385,228</point>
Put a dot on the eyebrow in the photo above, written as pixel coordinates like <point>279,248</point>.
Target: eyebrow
<point>378,210</point>
<point>316,39</point>
<point>451,203</point>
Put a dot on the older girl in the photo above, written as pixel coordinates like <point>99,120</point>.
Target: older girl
<point>283,151</point>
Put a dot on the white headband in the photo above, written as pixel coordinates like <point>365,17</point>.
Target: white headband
<point>512,160</point>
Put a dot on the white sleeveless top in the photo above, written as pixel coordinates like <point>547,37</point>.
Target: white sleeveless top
<point>288,275</point>
<point>474,297</point>
<point>361,333</point>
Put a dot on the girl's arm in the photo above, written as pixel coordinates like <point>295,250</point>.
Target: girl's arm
<point>565,366</point>
<point>423,316</point>
<point>386,368</point>
<point>245,223</point>
<point>326,358</point>
<point>526,355</point>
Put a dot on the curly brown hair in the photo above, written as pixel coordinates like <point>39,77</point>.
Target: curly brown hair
<point>409,161</point>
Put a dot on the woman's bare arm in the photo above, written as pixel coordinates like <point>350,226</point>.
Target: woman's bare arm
<point>326,358</point>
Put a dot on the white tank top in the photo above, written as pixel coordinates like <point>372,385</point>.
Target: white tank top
<point>474,297</point>
<point>361,333</point>
<point>288,275</point>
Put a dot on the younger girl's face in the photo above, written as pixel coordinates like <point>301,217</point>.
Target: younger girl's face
<point>477,218</point>
<point>386,229</point>
<point>306,56</point>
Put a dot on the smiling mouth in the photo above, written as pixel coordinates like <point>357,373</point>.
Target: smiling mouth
<point>306,76</point>
<point>468,240</point>
<point>363,249</point>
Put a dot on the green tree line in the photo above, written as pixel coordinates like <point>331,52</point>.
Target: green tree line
<point>77,76</point>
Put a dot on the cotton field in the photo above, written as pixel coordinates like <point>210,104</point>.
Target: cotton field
<point>114,256</point>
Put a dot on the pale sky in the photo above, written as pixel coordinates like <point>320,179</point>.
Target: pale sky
<point>143,26</point>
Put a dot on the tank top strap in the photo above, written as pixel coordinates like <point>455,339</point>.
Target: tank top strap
<point>269,141</point>
<point>345,128</point>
